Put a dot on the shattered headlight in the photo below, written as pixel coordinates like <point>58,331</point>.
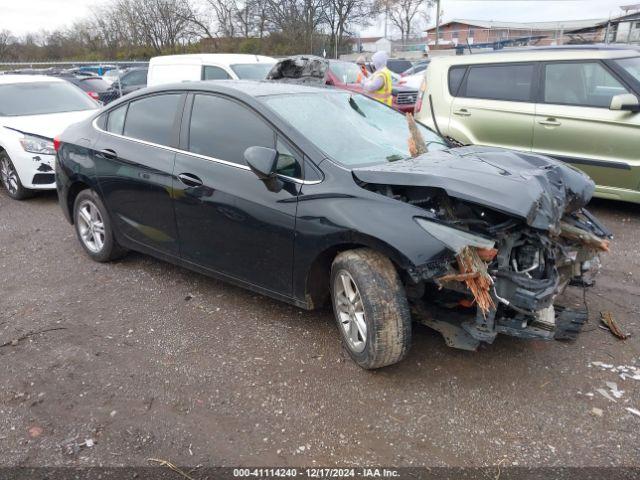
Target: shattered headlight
<point>33,144</point>
<point>455,239</point>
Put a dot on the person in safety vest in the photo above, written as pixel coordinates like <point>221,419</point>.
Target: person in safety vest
<point>379,85</point>
<point>364,73</point>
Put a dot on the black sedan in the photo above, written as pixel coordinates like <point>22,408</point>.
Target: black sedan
<point>309,195</point>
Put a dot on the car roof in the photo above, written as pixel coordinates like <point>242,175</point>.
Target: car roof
<point>5,79</point>
<point>532,54</point>
<point>250,88</point>
<point>224,58</point>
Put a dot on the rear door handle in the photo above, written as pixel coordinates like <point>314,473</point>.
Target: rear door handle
<point>190,180</point>
<point>550,122</point>
<point>108,154</point>
<point>463,112</point>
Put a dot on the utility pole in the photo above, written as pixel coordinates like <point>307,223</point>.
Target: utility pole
<point>386,16</point>
<point>437,21</point>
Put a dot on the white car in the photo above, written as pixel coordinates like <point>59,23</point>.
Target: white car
<point>208,66</point>
<point>412,81</point>
<point>33,110</point>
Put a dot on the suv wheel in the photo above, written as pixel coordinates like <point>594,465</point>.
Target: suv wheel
<point>93,227</point>
<point>370,307</point>
<point>10,179</point>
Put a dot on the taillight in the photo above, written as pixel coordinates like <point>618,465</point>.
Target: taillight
<point>94,95</point>
<point>56,144</point>
<point>423,88</point>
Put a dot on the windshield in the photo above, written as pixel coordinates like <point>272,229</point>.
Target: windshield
<point>345,71</point>
<point>42,97</point>
<point>252,71</point>
<point>350,128</point>
<point>632,66</point>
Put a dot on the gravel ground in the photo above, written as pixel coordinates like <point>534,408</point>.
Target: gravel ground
<point>155,361</point>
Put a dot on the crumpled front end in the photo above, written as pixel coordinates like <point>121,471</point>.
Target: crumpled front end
<point>509,264</point>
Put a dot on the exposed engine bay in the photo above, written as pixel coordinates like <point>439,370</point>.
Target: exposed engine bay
<point>514,242</point>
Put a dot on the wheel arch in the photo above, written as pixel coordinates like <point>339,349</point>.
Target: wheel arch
<point>317,275</point>
<point>75,187</point>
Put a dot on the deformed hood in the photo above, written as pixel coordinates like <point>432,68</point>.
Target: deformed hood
<point>533,187</point>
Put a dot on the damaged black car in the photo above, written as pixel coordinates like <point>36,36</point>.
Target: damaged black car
<point>315,196</point>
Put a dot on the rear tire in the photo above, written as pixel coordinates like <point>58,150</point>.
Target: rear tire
<point>10,179</point>
<point>93,228</point>
<point>370,307</point>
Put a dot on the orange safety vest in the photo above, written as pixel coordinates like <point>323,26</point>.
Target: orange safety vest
<point>383,94</point>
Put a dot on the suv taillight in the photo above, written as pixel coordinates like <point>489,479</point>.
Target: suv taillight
<point>423,88</point>
<point>56,144</point>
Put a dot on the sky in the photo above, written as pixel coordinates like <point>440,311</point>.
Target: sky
<point>21,16</point>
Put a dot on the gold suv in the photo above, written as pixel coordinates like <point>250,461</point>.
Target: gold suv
<point>579,104</point>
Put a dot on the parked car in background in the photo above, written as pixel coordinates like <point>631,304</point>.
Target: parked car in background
<point>94,86</point>
<point>33,109</point>
<point>307,69</point>
<point>129,81</point>
<point>398,65</point>
<point>309,195</point>
<point>418,67</point>
<point>578,104</point>
<point>208,66</point>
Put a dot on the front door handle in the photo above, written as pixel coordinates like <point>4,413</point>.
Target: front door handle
<point>550,122</point>
<point>463,112</point>
<point>190,180</point>
<point>108,154</point>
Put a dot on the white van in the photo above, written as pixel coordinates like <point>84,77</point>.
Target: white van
<point>208,66</point>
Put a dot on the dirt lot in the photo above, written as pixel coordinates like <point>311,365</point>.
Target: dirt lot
<point>231,378</point>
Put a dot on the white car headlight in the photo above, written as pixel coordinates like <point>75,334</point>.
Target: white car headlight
<point>33,144</point>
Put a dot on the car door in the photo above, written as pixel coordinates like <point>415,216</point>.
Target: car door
<point>135,167</point>
<point>228,221</point>
<point>494,106</point>
<point>574,123</point>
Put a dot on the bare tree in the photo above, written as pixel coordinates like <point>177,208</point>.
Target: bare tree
<point>6,41</point>
<point>406,15</point>
<point>341,15</point>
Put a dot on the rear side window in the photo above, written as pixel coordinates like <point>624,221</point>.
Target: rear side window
<point>115,121</point>
<point>210,72</point>
<point>137,77</point>
<point>151,118</point>
<point>500,82</point>
<point>224,129</point>
<point>456,74</point>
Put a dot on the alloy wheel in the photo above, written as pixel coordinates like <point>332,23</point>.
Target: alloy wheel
<point>9,175</point>
<point>350,311</point>
<point>91,226</point>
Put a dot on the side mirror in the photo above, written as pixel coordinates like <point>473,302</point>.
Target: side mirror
<point>263,162</point>
<point>626,102</point>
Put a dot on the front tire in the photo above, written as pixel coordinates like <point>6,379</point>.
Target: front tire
<point>370,307</point>
<point>11,180</point>
<point>93,228</point>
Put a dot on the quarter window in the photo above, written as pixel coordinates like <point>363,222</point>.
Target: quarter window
<point>586,84</point>
<point>152,118</point>
<point>456,74</point>
<point>210,72</point>
<point>500,82</point>
<point>287,163</point>
<point>115,121</point>
<point>224,129</point>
